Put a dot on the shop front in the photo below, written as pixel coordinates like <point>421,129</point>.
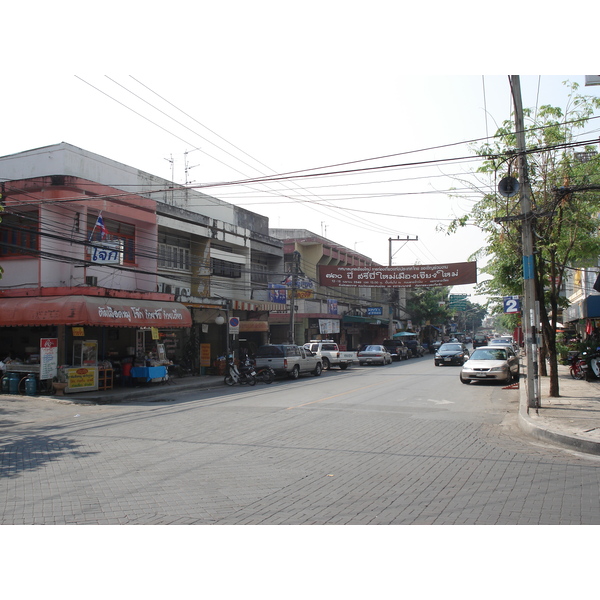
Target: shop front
<point>92,337</point>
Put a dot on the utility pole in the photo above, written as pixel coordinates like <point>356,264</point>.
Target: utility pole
<point>530,319</point>
<point>396,291</point>
<point>295,270</point>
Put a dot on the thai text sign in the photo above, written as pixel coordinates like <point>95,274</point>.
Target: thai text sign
<point>107,253</point>
<point>408,276</point>
<point>48,357</point>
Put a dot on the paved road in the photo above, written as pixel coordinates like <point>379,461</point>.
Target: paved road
<point>401,444</point>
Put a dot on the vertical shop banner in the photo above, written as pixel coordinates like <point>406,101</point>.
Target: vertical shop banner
<point>332,307</point>
<point>48,358</point>
<point>205,355</point>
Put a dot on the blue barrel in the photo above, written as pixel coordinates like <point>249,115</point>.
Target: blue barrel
<point>31,385</point>
<point>13,383</point>
<point>5,384</point>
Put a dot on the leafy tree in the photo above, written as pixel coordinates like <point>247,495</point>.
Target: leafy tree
<point>428,304</point>
<point>565,223</point>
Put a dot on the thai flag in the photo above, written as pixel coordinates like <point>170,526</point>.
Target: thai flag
<point>101,226</point>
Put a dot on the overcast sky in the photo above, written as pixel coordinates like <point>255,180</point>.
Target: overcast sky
<point>206,94</point>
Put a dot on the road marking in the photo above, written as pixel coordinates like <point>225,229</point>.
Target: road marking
<point>440,401</point>
<point>335,396</point>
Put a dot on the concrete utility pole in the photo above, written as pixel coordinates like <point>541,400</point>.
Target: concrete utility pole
<point>396,291</point>
<point>295,270</point>
<point>529,318</point>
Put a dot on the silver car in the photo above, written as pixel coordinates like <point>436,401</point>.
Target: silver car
<point>374,355</point>
<point>491,363</point>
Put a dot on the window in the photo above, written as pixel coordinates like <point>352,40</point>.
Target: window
<point>173,257</point>
<point>224,268</point>
<point>19,234</point>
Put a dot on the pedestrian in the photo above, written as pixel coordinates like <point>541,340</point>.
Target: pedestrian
<point>126,372</point>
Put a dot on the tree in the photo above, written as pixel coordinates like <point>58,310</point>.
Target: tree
<point>565,223</point>
<point>428,304</point>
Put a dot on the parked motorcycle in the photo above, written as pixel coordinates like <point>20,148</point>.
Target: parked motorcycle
<point>245,373</point>
<point>578,367</point>
<point>265,374</point>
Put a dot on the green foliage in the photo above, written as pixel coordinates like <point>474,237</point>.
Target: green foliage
<point>428,304</point>
<point>565,225</point>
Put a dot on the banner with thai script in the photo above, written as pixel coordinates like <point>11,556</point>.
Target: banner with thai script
<point>411,276</point>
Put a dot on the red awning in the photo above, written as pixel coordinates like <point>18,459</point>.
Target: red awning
<point>92,310</point>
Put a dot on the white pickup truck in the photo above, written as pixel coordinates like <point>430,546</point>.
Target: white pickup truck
<point>330,354</point>
<point>288,359</point>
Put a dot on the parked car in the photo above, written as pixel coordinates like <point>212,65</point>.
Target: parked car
<point>415,348</point>
<point>451,353</point>
<point>495,362</point>
<point>330,354</point>
<point>397,349</point>
<point>503,342</point>
<point>373,355</point>
<point>288,359</point>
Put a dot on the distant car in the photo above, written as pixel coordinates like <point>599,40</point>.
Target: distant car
<point>503,342</point>
<point>397,349</point>
<point>415,348</point>
<point>435,346</point>
<point>479,339</point>
<point>374,355</point>
<point>491,363</point>
<point>452,353</point>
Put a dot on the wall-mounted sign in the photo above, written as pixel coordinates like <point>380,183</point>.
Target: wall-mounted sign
<point>512,304</point>
<point>107,253</point>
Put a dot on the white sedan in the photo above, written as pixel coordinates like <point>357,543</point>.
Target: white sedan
<point>374,355</point>
<point>495,363</point>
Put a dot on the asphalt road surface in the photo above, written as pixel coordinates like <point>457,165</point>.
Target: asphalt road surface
<point>402,444</point>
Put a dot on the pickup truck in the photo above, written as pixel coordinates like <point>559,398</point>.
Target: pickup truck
<point>288,359</point>
<point>330,354</point>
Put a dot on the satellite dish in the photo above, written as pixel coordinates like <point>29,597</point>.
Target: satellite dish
<point>508,187</point>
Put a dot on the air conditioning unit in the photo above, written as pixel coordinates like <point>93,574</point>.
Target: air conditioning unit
<point>185,292</point>
<point>91,280</point>
<point>164,288</point>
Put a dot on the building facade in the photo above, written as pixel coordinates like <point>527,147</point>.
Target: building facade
<point>349,316</point>
<point>95,250</point>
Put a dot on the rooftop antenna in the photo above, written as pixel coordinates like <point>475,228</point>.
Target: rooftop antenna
<point>170,160</point>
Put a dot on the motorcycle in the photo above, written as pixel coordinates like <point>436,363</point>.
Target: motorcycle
<point>578,367</point>
<point>245,374</point>
<point>265,374</point>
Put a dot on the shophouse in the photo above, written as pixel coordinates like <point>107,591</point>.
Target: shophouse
<point>112,263</point>
<point>350,316</point>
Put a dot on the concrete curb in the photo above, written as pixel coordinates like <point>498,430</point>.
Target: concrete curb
<point>540,429</point>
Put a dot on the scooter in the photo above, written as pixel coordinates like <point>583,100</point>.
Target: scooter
<point>578,367</point>
<point>245,374</point>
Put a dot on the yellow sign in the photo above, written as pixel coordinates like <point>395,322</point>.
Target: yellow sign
<point>78,332</point>
<point>155,334</point>
<point>205,355</point>
<point>82,378</point>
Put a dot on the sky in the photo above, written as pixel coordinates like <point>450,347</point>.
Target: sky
<point>203,94</point>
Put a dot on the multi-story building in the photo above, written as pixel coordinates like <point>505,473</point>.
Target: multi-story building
<point>350,316</point>
<point>96,250</point>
